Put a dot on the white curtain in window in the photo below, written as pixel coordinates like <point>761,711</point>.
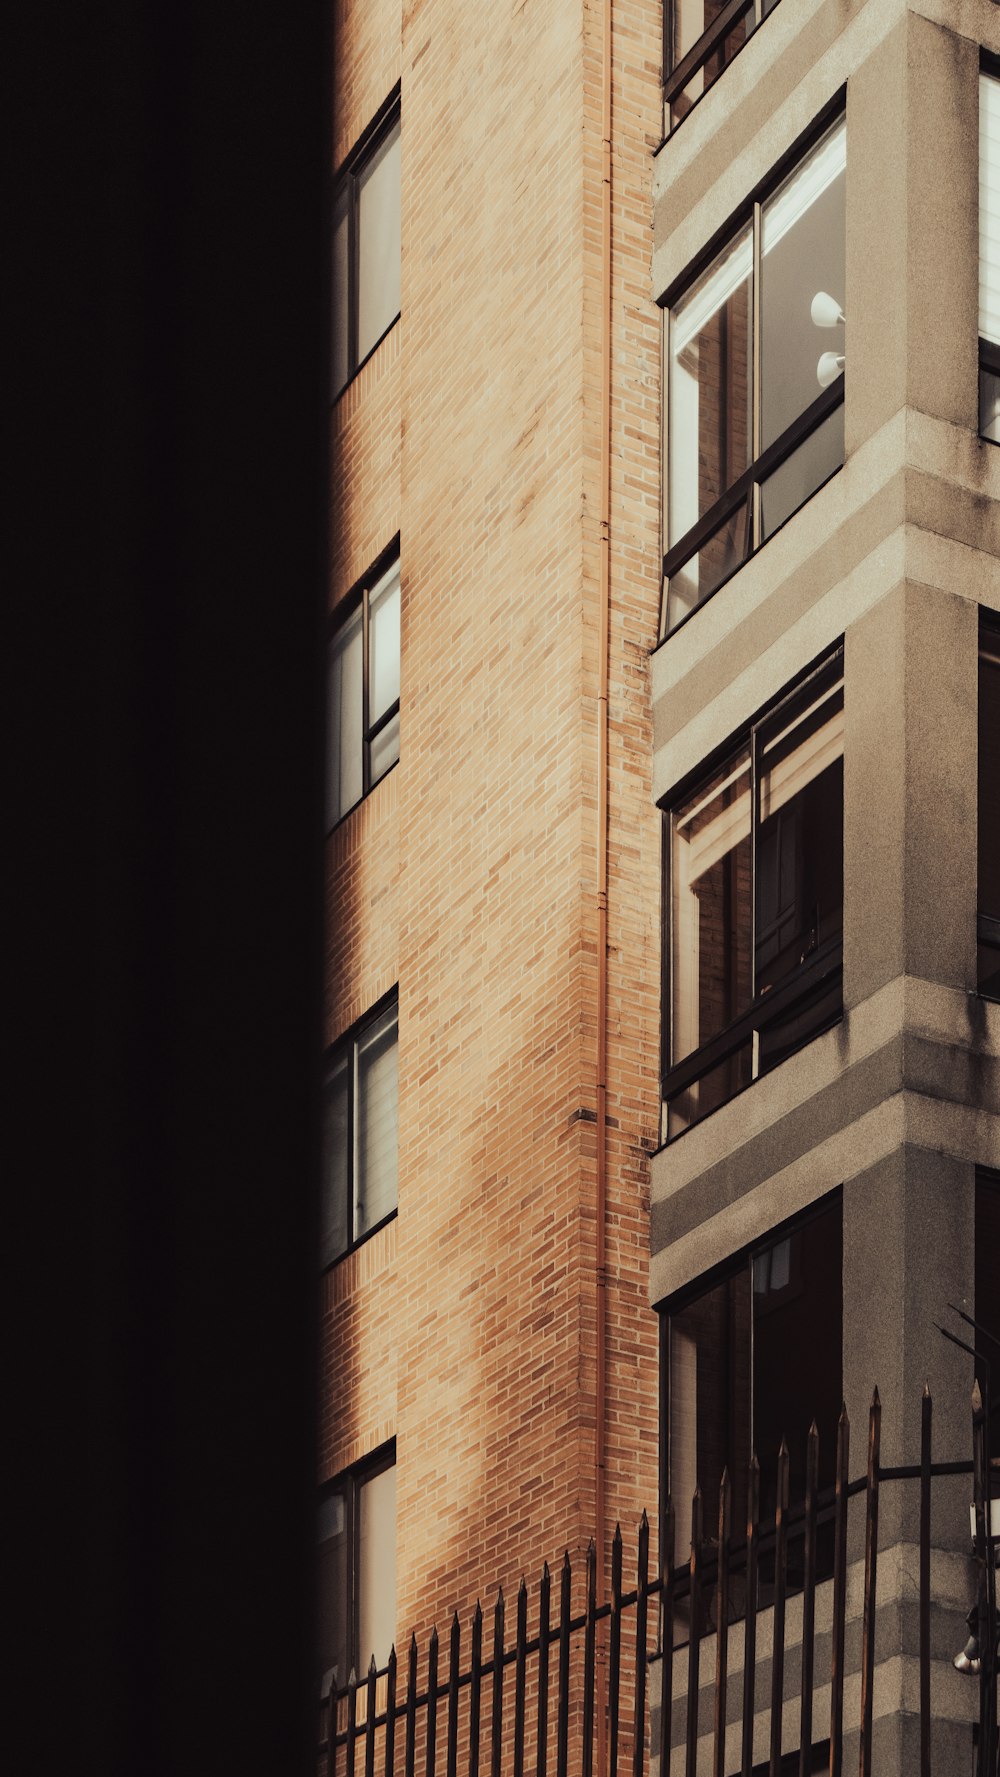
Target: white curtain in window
<point>383,644</point>
<point>989,207</point>
<point>376,1569</point>
<point>378,1122</point>
<point>378,243</point>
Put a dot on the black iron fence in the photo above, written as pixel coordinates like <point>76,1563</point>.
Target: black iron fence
<point>571,1692</point>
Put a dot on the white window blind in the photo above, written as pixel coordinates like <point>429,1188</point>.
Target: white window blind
<point>989,207</point>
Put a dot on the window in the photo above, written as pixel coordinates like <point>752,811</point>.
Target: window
<point>753,1356</point>
<point>366,246</point>
<point>360,1132</point>
<point>989,255</point>
<point>363,692</point>
<point>756,866</point>
<point>989,810</point>
<point>701,37</point>
<point>357,1571</point>
<point>754,346</point>
<point>987,1309</point>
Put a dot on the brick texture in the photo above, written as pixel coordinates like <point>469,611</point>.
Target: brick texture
<point>467,1328</point>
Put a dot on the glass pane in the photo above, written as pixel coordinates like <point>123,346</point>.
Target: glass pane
<point>800,839</point>
<point>710,1405</point>
<point>384,750</point>
<point>711,907</point>
<point>802,473</point>
<point>989,208</point>
<point>377,1121</point>
<point>383,645</point>
<point>989,772</point>
<point>989,404</point>
<point>714,1088</point>
<point>376,1569</point>
<point>719,59</point>
<point>333,1604</point>
<point>335,1223</point>
<point>704,571</point>
<point>802,243</point>
<point>340,368</point>
<point>345,718</point>
<point>797,1337</point>
<point>987,1310</point>
<point>710,386</point>
<point>378,243</point>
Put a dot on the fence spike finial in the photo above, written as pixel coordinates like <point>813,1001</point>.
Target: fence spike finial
<point>876,1402</point>
<point>927,1391</point>
<point>522,1587</point>
<point>372,1668</point>
<point>977,1397</point>
<point>545,1570</point>
<point>477,1615</point>
<point>617,1538</point>
<point>643,1521</point>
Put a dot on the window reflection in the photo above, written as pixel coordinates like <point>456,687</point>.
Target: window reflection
<point>756,901</point>
<point>783,430</point>
<point>710,413</point>
<point>753,1359</point>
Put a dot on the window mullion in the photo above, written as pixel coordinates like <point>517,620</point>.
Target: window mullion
<point>754,755</point>
<point>756,427</point>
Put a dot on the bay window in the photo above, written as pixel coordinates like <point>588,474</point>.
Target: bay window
<point>755,902</point>
<point>700,39</point>
<point>753,1356</point>
<point>754,349</point>
<point>989,254</point>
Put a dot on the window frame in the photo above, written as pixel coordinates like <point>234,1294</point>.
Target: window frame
<point>350,1482</point>
<point>359,597</point>
<point>825,403</point>
<point>348,179</point>
<point>677,76</point>
<point>349,1043</point>
<point>989,350</point>
<point>987,924</point>
<point>682,1298</point>
<point>767,1008</point>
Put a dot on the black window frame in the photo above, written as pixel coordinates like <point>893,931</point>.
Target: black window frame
<point>347,180</point>
<point>987,922</point>
<point>989,350</point>
<point>811,981</point>
<point>712,40</point>
<point>676,1303</point>
<point>745,489</point>
<point>359,597</point>
<point>348,1044</point>
<point>350,1482</point>
<point>986,1338</point>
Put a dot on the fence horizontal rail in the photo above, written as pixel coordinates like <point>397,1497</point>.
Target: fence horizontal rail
<point>686,1593</point>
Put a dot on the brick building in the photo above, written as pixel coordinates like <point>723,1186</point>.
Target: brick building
<point>663,866</point>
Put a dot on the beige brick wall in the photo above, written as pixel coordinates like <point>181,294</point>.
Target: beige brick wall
<point>470,873</point>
